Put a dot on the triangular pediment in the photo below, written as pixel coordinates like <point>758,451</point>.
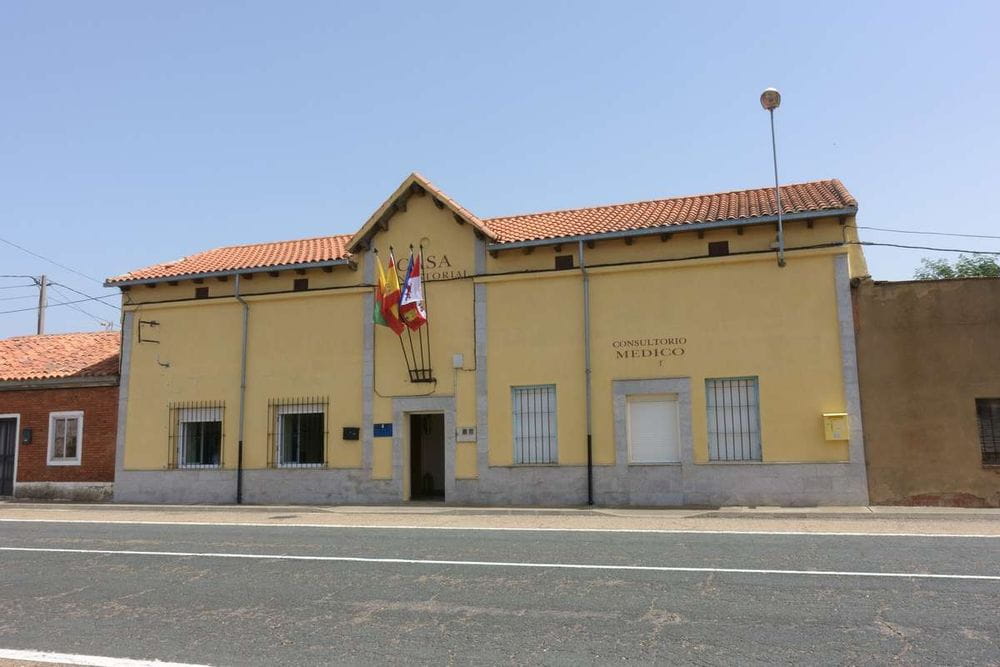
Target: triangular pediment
<point>414,185</point>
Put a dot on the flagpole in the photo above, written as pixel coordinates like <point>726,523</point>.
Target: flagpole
<point>402,347</point>
<point>409,334</point>
<point>420,331</point>
<point>427,315</point>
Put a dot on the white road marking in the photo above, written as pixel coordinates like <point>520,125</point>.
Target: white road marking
<point>93,660</point>
<point>654,531</point>
<point>485,563</point>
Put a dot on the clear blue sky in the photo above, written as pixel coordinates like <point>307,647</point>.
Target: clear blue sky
<point>138,132</point>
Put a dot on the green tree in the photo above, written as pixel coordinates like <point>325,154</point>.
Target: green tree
<point>966,266</point>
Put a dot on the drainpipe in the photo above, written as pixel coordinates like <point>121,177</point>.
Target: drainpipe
<point>243,392</point>
<point>587,372</point>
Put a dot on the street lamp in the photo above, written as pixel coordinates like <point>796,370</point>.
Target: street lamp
<point>770,99</point>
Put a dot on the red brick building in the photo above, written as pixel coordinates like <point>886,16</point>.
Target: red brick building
<point>59,415</point>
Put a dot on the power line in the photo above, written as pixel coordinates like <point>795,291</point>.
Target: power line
<point>15,298</point>
<point>63,303</point>
<point>78,308</point>
<point>913,231</point>
<point>922,247</point>
<point>50,261</point>
<point>17,286</point>
<point>89,296</point>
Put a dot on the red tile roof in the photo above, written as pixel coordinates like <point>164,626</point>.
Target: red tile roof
<point>816,196</point>
<point>737,205</point>
<point>59,356</point>
<point>245,257</point>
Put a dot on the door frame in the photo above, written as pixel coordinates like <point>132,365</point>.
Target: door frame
<point>402,408</point>
<point>408,451</point>
<point>17,448</point>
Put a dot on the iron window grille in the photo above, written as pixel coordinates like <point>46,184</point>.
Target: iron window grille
<point>733,419</point>
<point>988,417</point>
<point>196,434</point>
<point>298,432</point>
<point>534,413</point>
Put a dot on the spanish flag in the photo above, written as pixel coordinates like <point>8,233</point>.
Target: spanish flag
<point>377,316</point>
<point>387,296</point>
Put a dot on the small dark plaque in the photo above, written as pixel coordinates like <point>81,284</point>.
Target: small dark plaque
<point>352,433</point>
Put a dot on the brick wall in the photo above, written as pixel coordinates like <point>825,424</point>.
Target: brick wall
<point>100,425</point>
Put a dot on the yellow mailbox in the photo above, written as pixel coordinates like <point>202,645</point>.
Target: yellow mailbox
<point>835,425</point>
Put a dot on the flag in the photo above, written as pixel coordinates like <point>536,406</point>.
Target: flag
<point>377,316</point>
<point>411,300</point>
<point>390,298</point>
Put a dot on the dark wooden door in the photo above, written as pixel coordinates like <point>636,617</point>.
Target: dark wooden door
<point>8,441</point>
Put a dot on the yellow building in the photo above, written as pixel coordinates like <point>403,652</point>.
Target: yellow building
<point>651,353</point>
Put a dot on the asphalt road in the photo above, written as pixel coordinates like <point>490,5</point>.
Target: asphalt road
<point>229,595</point>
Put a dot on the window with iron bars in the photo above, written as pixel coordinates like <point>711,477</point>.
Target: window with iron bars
<point>297,432</point>
<point>733,419</point>
<point>988,416</point>
<point>196,434</point>
<point>534,411</point>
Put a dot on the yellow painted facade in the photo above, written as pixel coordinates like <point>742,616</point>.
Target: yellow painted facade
<point>723,317</point>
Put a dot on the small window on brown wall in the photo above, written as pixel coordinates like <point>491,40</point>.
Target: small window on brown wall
<point>564,262</point>
<point>718,248</point>
<point>300,284</point>
<point>988,416</point>
<point>201,292</point>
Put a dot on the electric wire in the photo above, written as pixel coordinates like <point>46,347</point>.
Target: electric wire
<point>50,261</point>
<point>913,231</point>
<point>15,298</point>
<point>90,296</point>
<point>61,303</point>
<point>17,286</point>
<point>923,247</point>
<point>102,322</point>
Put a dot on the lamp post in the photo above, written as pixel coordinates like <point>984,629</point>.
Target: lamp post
<point>770,99</point>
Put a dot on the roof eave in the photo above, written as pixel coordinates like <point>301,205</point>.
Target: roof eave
<point>77,382</point>
<point>675,229</point>
<point>397,201</point>
<point>228,272</point>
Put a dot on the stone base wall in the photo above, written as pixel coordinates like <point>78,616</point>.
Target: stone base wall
<point>636,486</point>
<point>77,491</point>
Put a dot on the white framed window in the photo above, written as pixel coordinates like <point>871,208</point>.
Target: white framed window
<point>300,434</point>
<point>199,438</point>
<point>65,438</point>
<point>653,428</point>
<point>733,419</point>
<point>534,412</point>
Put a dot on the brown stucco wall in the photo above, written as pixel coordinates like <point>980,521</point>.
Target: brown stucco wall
<point>926,351</point>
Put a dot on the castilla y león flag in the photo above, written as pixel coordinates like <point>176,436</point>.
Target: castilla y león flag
<point>387,297</point>
<point>411,301</point>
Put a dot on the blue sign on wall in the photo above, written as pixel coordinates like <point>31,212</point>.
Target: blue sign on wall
<point>383,430</point>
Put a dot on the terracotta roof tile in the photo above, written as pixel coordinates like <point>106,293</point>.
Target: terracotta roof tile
<point>254,256</point>
<point>59,356</point>
<point>737,205</point>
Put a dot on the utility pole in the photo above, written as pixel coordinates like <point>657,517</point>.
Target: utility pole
<point>41,304</point>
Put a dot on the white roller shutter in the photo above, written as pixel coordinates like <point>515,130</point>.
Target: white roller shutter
<point>654,429</point>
